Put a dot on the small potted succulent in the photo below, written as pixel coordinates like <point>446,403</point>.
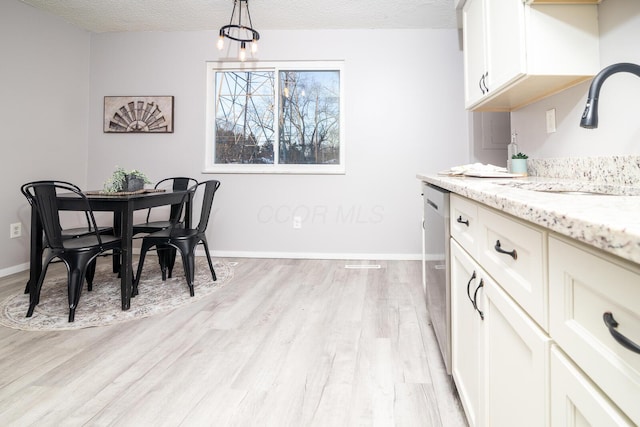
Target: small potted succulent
<point>125,181</point>
<point>519,163</point>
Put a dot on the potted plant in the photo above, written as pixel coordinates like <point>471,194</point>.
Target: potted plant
<point>519,163</point>
<point>122,180</point>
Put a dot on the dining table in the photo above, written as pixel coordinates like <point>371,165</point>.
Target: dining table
<point>123,206</point>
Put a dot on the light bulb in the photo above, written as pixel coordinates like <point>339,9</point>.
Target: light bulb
<point>254,46</point>
<point>220,43</point>
<point>243,52</point>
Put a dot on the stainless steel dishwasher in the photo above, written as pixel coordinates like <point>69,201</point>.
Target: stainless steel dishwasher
<point>435,265</point>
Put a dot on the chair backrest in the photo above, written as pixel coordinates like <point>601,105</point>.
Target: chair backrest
<point>178,183</point>
<point>43,195</point>
<point>210,188</point>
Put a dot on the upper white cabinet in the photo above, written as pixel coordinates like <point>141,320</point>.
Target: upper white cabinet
<point>516,54</point>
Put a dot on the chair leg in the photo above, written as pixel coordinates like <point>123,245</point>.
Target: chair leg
<point>206,251</point>
<point>34,295</point>
<point>188,262</point>
<point>143,253</point>
<point>89,275</point>
<point>163,252</point>
<point>76,277</point>
<point>171,260</point>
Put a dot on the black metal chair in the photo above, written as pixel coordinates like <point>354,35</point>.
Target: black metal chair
<point>78,253</point>
<point>166,258</point>
<point>69,233</point>
<point>183,239</point>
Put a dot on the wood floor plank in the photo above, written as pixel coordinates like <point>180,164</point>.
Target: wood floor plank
<point>285,343</point>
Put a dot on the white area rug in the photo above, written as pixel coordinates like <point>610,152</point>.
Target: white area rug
<point>102,306</point>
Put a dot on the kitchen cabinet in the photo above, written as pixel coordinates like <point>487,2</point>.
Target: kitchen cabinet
<point>516,54</point>
<point>575,400</point>
<point>514,253</point>
<point>584,285</point>
<point>516,363</point>
<point>467,332</point>
<point>500,355</point>
<point>542,352</point>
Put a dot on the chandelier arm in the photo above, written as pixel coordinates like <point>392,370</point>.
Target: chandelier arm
<point>233,12</point>
<point>248,14</point>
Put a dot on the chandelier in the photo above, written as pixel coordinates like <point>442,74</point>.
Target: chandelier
<point>236,30</point>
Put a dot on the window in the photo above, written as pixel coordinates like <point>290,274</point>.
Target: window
<point>284,117</point>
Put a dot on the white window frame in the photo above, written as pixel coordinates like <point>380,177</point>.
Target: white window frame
<point>275,66</point>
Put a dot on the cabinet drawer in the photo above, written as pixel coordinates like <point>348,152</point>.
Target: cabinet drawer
<point>464,223</point>
<point>584,284</point>
<point>575,400</point>
<point>513,253</point>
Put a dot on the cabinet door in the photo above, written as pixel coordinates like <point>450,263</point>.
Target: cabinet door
<point>473,39</point>
<point>584,284</point>
<point>516,364</point>
<point>466,333</point>
<point>505,35</point>
<point>575,401</point>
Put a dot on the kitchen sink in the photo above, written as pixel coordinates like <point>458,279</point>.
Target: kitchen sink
<point>574,187</point>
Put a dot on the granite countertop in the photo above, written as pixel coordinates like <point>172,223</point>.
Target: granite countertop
<point>607,222</point>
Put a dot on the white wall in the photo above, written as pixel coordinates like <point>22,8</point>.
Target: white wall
<point>44,87</point>
<point>404,114</point>
<point>618,132</point>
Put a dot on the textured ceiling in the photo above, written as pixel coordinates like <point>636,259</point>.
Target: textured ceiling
<point>195,15</point>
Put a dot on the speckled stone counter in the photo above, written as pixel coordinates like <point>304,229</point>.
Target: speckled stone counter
<point>607,222</point>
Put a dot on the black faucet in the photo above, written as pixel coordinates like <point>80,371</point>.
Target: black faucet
<point>590,116</point>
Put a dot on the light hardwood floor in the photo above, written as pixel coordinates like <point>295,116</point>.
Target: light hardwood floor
<point>285,343</point>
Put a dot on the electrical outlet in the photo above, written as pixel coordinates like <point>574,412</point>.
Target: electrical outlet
<point>15,230</point>
<point>297,222</point>
<point>551,120</point>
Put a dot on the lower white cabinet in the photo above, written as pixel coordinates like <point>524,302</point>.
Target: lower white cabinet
<point>514,300</point>
<point>586,287</point>
<point>575,400</point>
<point>516,355</point>
<point>467,332</point>
<point>500,356</point>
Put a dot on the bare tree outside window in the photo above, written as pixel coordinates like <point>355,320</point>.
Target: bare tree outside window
<point>268,118</point>
<point>309,121</point>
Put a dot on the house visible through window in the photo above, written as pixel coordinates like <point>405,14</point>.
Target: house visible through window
<point>281,118</point>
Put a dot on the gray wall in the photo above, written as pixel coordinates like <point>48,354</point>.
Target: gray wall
<point>618,132</point>
<point>44,92</point>
<point>404,114</point>
<point>404,102</point>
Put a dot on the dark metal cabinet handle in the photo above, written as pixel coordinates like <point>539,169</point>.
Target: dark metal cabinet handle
<point>480,84</point>
<point>473,276</point>
<point>462,221</point>
<point>499,249</point>
<point>484,88</point>
<point>475,299</point>
<point>611,323</point>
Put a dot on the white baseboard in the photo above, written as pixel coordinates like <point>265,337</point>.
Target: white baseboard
<point>15,269</point>
<point>276,255</point>
<point>317,255</point>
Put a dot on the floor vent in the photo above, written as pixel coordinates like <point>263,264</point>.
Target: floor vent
<point>363,266</point>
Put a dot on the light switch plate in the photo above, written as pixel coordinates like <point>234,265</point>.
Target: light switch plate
<point>551,120</point>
